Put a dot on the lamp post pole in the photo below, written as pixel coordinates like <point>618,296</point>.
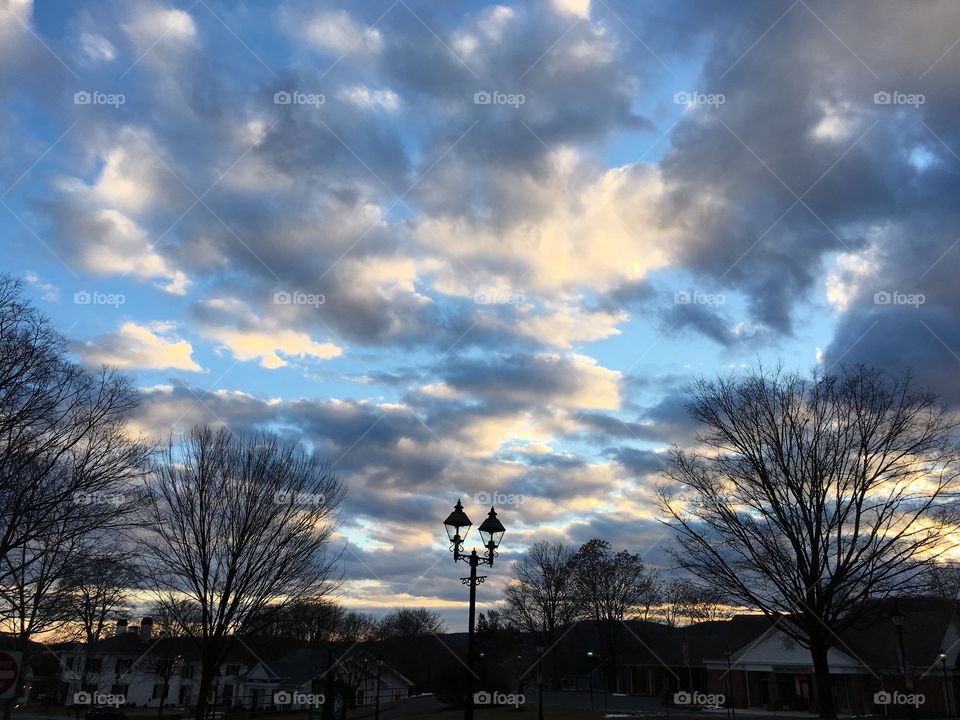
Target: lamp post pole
<point>491,532</point>
<point>733,699</point>
<point>376,712</point>
<point>473,580</point>
<point>942,655</point>
<point>897,618</point>
<point>539,682</point>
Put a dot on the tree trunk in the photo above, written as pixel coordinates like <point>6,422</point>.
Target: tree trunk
<point>824,682</point>
<point>203,691</point>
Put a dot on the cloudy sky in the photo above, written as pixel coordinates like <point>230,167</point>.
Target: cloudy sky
<point>475,250</point>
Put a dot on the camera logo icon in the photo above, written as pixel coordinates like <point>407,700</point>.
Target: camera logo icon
<point>82,298</point>
<point>482,98</point>
<point>282,697</point>
<point>682,698</point>
<point>482,698</point>
<point>882,697</point>
<point>882,97</point>
<point>282,97</point>
<point>82,698</point>
<point>282,297</point>
<point>82,97</point>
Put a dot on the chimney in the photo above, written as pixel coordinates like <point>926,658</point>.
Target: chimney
<point>146,627</point>
<point>121,627</point>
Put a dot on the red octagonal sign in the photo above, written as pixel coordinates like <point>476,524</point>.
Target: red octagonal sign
<point>9,671</point>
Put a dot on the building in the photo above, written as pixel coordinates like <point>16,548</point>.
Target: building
<point>147,671</point>
<point>752,663</point>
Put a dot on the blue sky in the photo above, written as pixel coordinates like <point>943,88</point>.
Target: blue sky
<point>474,248</point>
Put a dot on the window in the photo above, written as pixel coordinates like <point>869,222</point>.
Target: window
<point>94,665</point>
<point>159,691</point>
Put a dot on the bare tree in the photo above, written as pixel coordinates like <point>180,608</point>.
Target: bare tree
<point>408,623</point>
<point>237,525</point>
<point>943,581</point>
<point>354,627</point>
<point>310,620</point>
<point>100,588</point>
<point>67,461</point>
<point>815,496</point>
<point>610,587</point>
<point>68,466</point>
<point>540,596</point>
<point>684,602</point>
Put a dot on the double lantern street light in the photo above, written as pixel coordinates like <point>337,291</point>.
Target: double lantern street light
<point>491,531</point>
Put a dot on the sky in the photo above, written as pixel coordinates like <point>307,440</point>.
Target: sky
<point>476,250</point>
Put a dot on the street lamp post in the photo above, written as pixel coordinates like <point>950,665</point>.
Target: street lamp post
<point>539,681</point>
<point>897,617</point>
<point>942,656</point>
<point>491,531</point>
<point>733,699</point>
<point>376,712</point>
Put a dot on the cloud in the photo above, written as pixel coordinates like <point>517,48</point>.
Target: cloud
<point>370,98</point>
<point>251,337</point>
<point>48,291</point>
<point>139,347</point>
<point>96,47</point>
<point>572,381</point>
<point>155,30</point>
<point>107,242</point>
<point>334,31</point>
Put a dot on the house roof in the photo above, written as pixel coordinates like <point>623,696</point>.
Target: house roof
<point>870,641</point>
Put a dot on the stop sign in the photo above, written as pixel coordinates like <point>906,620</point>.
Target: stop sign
<point>9,671</point>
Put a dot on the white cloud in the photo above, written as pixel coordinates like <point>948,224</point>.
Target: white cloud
<point>139,347</point>
<point>251,337</point>
<point>369,98</point>
<point>336,31</point>
<point>113,244</point>
<point>48,291</point>
<point>578,8</point>
<point>571,232</point>
<point>96,47</point>
<point>158,29</point>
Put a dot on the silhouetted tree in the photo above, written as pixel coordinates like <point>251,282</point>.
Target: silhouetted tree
<point>815,496</point>
<point>237,525</point>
